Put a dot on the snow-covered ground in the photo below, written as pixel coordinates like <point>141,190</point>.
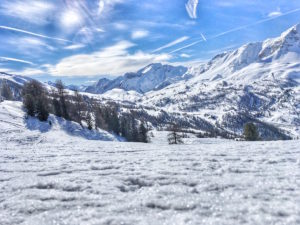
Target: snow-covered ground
<point>57,177</point>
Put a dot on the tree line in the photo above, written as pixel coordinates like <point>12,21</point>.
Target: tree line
<point>40,102</point>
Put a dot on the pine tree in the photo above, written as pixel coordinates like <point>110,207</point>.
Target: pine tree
<point>89,121</point>
<point>56,107</point>
<point>62,99</point>
<point>6,92</point>
<point>99,118</point>
<point>251,132</point>
<point>42,109</point>
<point>143,137</point>
<point>79,107</point>
<point>28,103</point>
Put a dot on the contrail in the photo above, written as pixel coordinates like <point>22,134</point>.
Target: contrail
<point>15,60</point>
<point>31,33</point>
<point>203,37</point>
<point>236,29</point>
<point>177,41</point>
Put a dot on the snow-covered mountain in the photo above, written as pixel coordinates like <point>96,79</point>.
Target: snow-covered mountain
<point>153,77</point>
<point>278,57</point>
<point>258,82</point>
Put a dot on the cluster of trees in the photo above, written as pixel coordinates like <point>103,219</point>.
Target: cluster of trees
<point>35,100</point>
<point>40,102</point>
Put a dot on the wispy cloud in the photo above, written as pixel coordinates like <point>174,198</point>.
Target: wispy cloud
<point>8,59</point>
<point>74,47</point>
<point>177,41</point>
<point>191,8</point>
<point>137,34</point>
<point>29,45</point>
<point>32,11</point>
<point>113,60</point>
<point>32,33</point>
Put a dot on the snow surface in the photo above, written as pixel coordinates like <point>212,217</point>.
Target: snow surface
<point>72,180</point>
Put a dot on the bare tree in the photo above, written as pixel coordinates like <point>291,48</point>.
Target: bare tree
<point>174,136</point>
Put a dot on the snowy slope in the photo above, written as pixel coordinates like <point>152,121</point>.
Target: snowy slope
<point>15,128</point>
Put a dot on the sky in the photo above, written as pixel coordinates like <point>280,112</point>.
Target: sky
<point>80,41</point>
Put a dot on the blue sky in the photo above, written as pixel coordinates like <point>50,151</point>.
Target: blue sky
<point>81,40</point>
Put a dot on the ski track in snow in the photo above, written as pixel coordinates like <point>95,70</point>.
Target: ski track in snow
<point>50,178</point>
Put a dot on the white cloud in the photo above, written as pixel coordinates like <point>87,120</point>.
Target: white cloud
<point>37,12</point>
<point>137,34</point>
<point>8,59</point>
<point>275,13</point>
<point>114,60</point>
<point>191,8</point>
<point>31,33</point>
<point>177,41</point>
<point>74,47</point>
<point>183,55</point>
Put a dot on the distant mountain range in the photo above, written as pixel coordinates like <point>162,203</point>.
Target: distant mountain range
<point>153,77</point>
<point>258,82</point>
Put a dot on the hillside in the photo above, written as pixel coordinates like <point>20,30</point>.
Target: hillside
<point>16,129</point>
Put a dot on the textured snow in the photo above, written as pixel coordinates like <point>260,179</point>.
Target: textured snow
<point>72,180</point>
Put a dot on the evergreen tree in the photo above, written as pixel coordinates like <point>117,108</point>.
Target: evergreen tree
<point>99,118</point>
<point>42,109</point>
<point>56,107</point>
<point>62,99</point>
<point>251,132</point>
<point>89,121</point>
<point>79,107</point>
<point>6,91</point>
<point>28,103</point>
<point>143,137</point>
